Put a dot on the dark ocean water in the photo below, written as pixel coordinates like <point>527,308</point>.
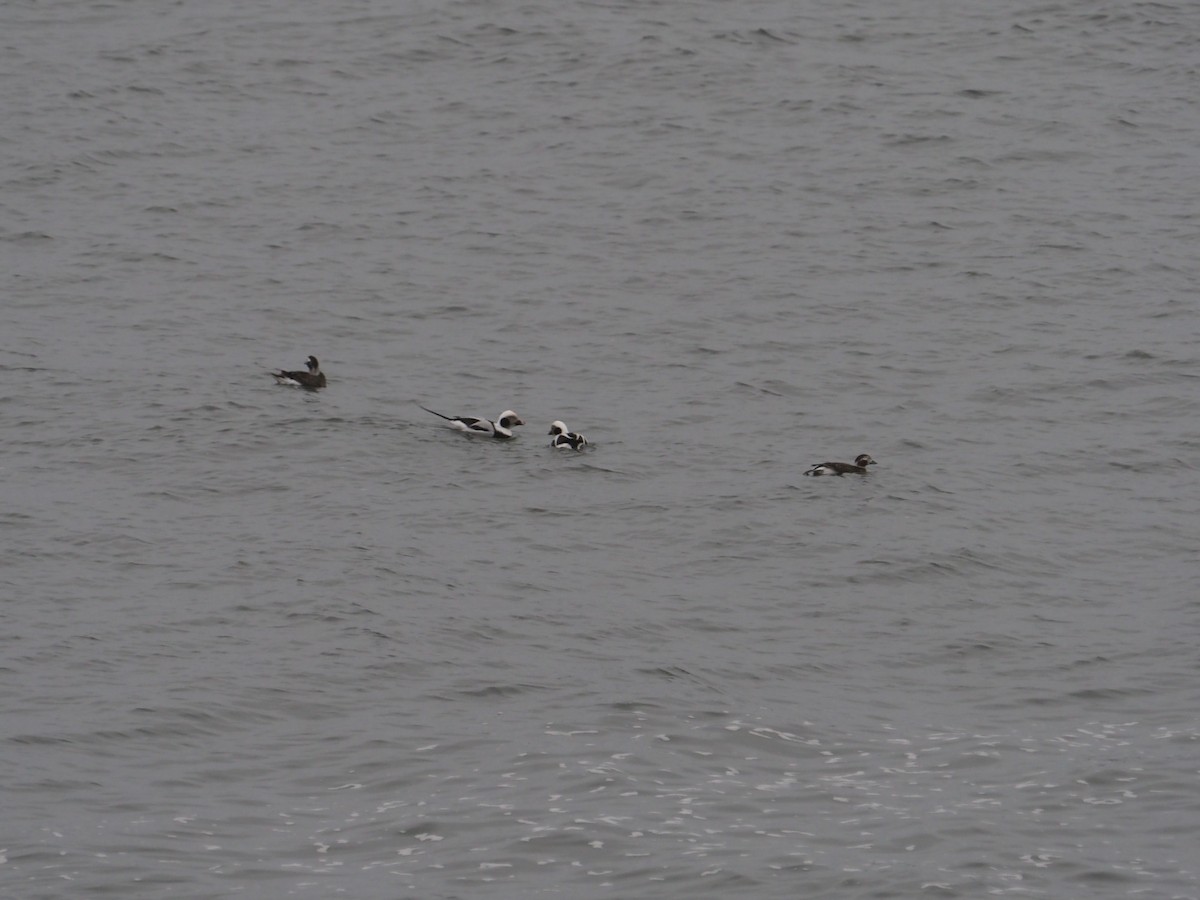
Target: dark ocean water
<point>269,643</point>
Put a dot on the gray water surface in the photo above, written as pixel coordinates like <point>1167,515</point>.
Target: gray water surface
<point>271,643</point>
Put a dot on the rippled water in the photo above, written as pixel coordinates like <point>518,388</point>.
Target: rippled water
<point>265,642</point>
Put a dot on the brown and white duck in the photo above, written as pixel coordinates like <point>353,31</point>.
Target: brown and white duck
<point>313,379</point>
<point>858,467</point>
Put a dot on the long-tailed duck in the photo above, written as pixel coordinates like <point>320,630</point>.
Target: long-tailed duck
<point>501,429</point>
<point>858,467</point>
<point>313,379</point>
<point>564,439</point>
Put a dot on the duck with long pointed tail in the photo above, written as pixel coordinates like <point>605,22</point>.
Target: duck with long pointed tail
<point>501,429</point>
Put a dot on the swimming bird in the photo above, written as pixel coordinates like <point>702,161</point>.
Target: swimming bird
<point>858,467</point>
<point>501,429</point>
<point>313,379</point>
<point>564,439</point>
